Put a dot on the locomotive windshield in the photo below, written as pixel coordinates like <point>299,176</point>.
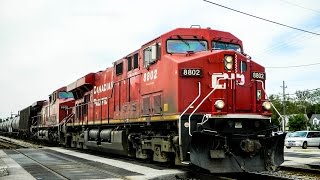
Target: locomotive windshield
<point>186,45</point>
<point>223,46</point>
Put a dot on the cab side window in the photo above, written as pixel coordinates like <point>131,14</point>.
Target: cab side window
<point>146,56</point>
<point>135,61</point>
<point>129,63</point>
<point>243,66</point>
<point>151,54</point>
<point>119,68</point>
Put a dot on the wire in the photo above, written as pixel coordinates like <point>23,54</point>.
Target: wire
<point>292,41</point>
<point>308,90</point>
<point>262,18</point>
<point>296,66</point>
<point>300,6</point>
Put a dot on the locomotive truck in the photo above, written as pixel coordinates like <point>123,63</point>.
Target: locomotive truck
<point>189,96</point>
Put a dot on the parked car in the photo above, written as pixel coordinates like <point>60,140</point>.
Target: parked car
<point>303,139</point>
<point>288,134</point>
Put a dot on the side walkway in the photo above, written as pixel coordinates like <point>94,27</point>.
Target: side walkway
<point>3,168</point>
<point>12,170</point>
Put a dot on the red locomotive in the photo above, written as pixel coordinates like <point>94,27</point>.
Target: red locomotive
<point>189,96</point>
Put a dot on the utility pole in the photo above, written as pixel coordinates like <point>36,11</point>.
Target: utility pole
<point>284,105</point>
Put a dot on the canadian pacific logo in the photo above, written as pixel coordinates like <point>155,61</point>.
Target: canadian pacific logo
<point>219,85</point>
<point>102,88</point>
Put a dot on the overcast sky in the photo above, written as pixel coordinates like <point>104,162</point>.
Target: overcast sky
<point>45,45</point>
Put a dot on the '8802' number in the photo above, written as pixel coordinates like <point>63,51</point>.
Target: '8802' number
<point>151,75</point>
<point>191,72</point>
<point>258,75</point>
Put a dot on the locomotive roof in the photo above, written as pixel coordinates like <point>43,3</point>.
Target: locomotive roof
<point>200,32</point>
<point>205,33</point>
<point>87,79</point>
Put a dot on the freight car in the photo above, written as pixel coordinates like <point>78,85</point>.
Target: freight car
<point>21,123</point>
<point>189,96</point>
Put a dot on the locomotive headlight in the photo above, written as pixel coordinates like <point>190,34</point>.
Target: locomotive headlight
<point>219,104</point>
<point>229,59</point>
<point>229,66</point>
<point>266,105</point>
<point>228,62</point>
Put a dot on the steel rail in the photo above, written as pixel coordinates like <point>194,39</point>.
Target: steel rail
<point>43,166</point>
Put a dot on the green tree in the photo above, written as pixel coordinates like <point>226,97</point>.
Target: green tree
<point>297,122</point>
<point>304,102</point>
<point>293,107</point>
<point>315,96</point>
<point>310,100</point>
<point>315,108</point>
<point>303,96</point>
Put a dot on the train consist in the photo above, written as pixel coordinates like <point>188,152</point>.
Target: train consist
<point>189,96</point>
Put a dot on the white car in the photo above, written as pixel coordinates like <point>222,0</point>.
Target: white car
<point>303,139</point>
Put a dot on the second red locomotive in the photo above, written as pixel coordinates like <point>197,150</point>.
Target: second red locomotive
<point>190,95</point>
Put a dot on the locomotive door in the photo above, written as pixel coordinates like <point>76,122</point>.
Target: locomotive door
<point>133,96</point>
<point>242,87</point>
<point>116,100</point>
<point>120,90</point>
<point>85,108</point>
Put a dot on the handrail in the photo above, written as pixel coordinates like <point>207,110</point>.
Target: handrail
<point>199,93</point>
<point>272,103</point>
<point>202,102</point>
<point>66,118</point>
<point>33,118</point>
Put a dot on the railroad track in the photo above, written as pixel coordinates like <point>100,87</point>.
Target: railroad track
<point>44,163</point>
<point>287,173</point>
<point>233,176</point>
<point>42,168</point>
<point>308,172</point>
<point>14,143</point>
<point>284,173</point>
<point>8,144</point>
<point>313,169</point>
<point>195,173</point>
<point>56,164</point>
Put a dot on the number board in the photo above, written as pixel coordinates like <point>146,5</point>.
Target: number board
<point>188,72</point>
<point>258,75</point>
